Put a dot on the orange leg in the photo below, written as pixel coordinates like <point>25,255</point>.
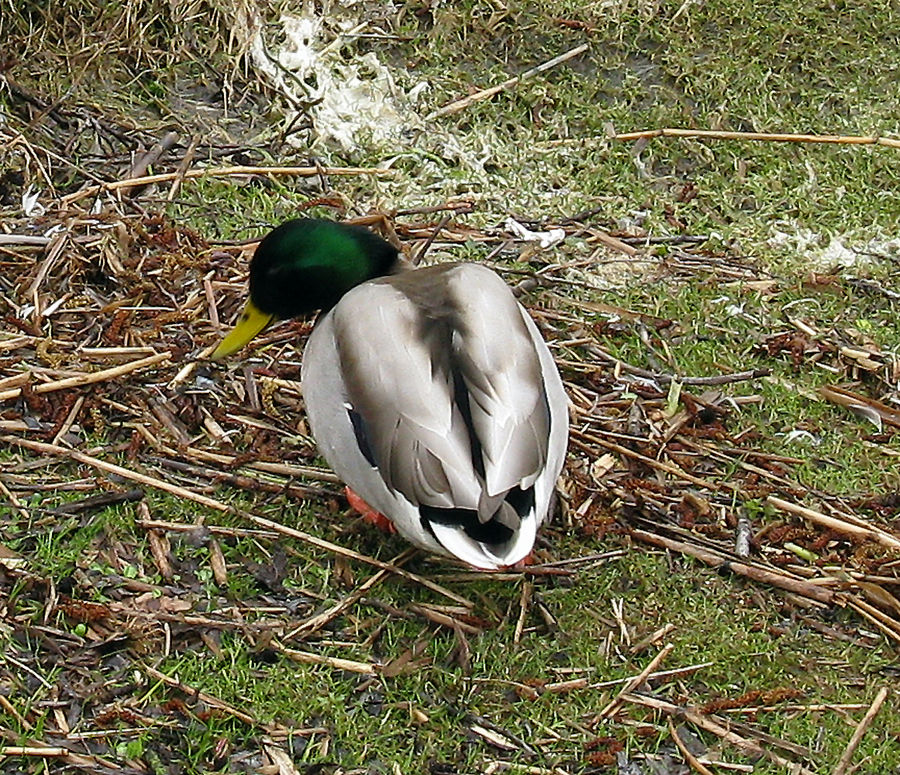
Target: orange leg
<point>527,560</point>
<point>368,513</point>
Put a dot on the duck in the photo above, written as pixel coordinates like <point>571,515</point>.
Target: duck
<point>429,391</point>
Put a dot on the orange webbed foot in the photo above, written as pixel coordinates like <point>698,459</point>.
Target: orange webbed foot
<point>368,513</point>
<point>521,565</point>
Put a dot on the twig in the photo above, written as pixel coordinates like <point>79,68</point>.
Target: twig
<point>283,469</point>
<point>464,102</point>
<point>101,501</point>
<point>657,464</point>
<point>765,737</point>
<point>14,501</point>
<point>444,620</point>
<point>69,421</point>
<point>598,557</point>
<point>661,633</point>
<point>183,167</point>
<point>598,235</point>
<point>688,756</point>
<point>219,172</point>
<point>574,684</point>
<point>833,523</point>
<point>676,671</point>
<point>239,480</point>
<point>524,605</point>
<point>862,405</point>
<point>11,709</point>
<point>423,251</point>
<point>141,165</point>
<point>86,762</point>
<point>712,134</point>
<point>716,560</point>
<point>635,682</point>
<point>525,769</point>
<point>717,727</point>
<point>665,379</point>
<point>314,623</point>
<point>733,457</point>
<point>753,710</point>
<point>54,251</point>
<point>181,527</point>
<point>29,750</point>
<point>889,626</point>
<point>212,503</point>
<point>23,239</point>
<point>214,702</point>
<point>367,668</point>
<point>80,380</point>
<point>860,730</point>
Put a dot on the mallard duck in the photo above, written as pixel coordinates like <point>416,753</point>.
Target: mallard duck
<point>429,391</point>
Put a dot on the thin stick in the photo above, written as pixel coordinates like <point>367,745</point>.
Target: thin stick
<point>665,379</point>
<point>711,134</point>
<point>283,469</point>
<point>212,503</point>
<point>350,665</point>
<point>688,756</point>
<point>524,769</point>
<point>661,633</point>
<point>215,702</point>
<point>38,749</point>
<point>871,533</point>
<point>598,235</point>
<point>524,605</point>
<point>716,560</point>
<point>653,463</point>
<point>687,670</point>
<point>81,380</point>
<point>16,503</point>
<point>582,683</point>
<point>183,168</point>
<point>444,620</point>
<point>147,160</point>
<point>220,172</point>
<point>755,709</point>
<point>317,622</point>
<point>635,682</point>
<point>11,709</point>
<point>860,730</point>
<point>69,421</point>
<point>464,102</point>
<point>23,239</point>
<point>27,750</point>
<point>181,527</point>
<point>712,724</point>
<point>888,626</point>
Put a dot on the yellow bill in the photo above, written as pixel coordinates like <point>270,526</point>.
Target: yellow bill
<point>249,324</point>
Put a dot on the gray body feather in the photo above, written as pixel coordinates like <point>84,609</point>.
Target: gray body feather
<point>433,396</point>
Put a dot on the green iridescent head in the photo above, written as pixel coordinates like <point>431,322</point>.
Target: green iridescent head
<point>305,265</point>
<point>308,264</point>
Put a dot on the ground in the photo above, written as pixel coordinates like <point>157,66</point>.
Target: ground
<point>182,586</point>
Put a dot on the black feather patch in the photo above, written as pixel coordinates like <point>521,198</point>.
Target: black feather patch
<point>521,500</point>
<point>362,436</point>
<point>492,532</point>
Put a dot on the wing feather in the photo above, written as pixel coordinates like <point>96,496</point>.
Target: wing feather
<point>405,345</point>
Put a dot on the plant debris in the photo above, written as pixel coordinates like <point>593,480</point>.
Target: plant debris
<point>109,313</point>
